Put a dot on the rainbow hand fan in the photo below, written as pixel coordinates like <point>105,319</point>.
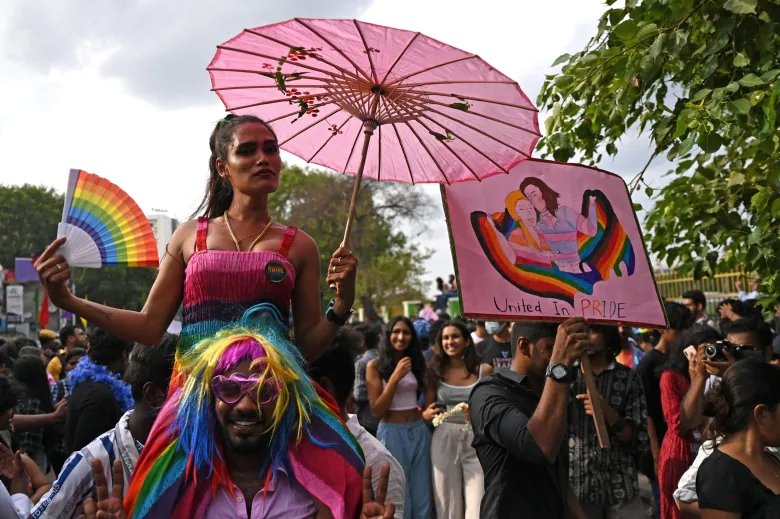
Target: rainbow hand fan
<point>104,226</point>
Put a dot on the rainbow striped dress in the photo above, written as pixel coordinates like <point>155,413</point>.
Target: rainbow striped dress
<point>219,287</point>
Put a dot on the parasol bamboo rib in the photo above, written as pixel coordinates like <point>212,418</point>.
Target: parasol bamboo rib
<point>276,59</point>
<point>271,102</point>
<point>329,139</point>
<point>462,123</point>
<point>409,44</point>
<point>249,87</point>
<point>334,47</point>
<point>484,116</point>
<point>280,117</point>
<point>468,143</point>
<point>458,82</point>
<point>406,159</point>
<point>421,114</point>
<point>432,67</point>
<point>351,151</point>
<point>368,51</point>
<point>474,174</point>
<point>598,414</point>
<point>472,98</point>
<point>315,123</point>
<point>422,143</point>
<point>312,55</point>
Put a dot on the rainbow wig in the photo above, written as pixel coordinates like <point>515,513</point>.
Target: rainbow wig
<point>182,466</point>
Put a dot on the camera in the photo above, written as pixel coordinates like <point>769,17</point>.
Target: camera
<point>715,351</point>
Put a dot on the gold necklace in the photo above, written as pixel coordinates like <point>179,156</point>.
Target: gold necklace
<point>257,238</point>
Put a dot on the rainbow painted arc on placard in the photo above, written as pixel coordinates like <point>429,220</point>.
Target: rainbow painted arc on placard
<point>114,221</point>
<point>604,252</point>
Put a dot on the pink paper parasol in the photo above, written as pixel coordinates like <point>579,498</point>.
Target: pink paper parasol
<point>436,113</point>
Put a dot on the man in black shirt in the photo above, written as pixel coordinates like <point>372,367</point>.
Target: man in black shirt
<point>519,421</point>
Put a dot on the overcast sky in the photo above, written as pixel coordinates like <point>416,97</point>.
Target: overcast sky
<point>120,88</point>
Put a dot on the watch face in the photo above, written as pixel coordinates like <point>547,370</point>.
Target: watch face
<point>559,371</point>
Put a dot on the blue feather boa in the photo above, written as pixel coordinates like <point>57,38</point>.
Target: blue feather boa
<point>88,371</point>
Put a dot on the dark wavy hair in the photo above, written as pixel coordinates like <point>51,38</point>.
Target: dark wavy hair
<point>30,375</point>
<point>219,192</point>
<point>151,364</point>
<point>8,395</point>
<point>387,362</point>
<point>746,384</point>
<point>442,360</point>
<point>549,195</point>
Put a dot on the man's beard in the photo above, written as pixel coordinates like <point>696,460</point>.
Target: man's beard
<point>250,444</point>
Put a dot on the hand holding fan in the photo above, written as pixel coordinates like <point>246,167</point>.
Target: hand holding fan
<point>104,226</point>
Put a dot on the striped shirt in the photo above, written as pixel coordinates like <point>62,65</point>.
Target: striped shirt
<point>607,476</point>
<point>75,483</point>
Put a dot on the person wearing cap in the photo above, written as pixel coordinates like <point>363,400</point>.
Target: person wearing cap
<point>48,341</point>
<point>498,347</point>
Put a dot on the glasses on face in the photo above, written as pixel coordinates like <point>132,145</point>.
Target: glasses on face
<point>232,389</point>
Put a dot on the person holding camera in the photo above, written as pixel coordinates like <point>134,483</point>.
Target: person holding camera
<point>743,338</point>
<point>740,479</point>
<point>676,453</point>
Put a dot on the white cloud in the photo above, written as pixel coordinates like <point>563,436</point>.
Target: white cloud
<point>120,88</point>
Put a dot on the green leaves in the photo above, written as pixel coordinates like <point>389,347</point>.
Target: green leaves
<point>740,60</point>
<point>750,81</point>
<point>625,30</point>
<point>741,6</point>
<point>741,106</point>
<point>710,142</point>
<point>702,81</point>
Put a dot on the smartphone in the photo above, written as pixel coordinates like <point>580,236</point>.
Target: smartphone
<point>690,352</point>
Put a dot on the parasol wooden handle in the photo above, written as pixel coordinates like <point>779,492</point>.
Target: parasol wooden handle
<point>598,414</point>
<point>368,131</point>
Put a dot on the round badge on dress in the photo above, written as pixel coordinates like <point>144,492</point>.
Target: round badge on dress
<point>275,271</point>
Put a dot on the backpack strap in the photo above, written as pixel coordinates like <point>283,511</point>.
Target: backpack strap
<point>287,240</point>
<point>201,233</point>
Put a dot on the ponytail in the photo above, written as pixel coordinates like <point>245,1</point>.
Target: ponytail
<point>746,384</point>
<point>219,192</point>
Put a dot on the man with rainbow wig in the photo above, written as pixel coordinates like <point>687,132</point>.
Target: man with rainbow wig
<point>247,434</point>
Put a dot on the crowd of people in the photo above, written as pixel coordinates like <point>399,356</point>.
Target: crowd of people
<point>264,406</point>
<point>418,396</point>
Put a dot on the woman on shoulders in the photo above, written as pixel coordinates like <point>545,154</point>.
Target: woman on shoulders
<point>454,373</point>
<point>395,382</point>
<point>741,479</point>
<point>229,260</point>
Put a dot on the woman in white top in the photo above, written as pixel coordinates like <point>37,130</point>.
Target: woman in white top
<point>395,382</point>
<point>457,475</point>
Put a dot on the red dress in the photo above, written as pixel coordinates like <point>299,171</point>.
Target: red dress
<point>676,451</point>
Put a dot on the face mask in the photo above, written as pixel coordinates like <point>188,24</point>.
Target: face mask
<point>493,327</point>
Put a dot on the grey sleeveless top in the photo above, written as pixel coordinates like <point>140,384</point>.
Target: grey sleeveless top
<point>450,396</point>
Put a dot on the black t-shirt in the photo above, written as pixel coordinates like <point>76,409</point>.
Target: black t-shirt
<point>724,483</point>
<point>519,481</point>
<point>497,354</point>
<point>649,371</point>
<point>92,410</point>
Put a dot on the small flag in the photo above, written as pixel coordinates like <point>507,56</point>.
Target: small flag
<point>43,312</point>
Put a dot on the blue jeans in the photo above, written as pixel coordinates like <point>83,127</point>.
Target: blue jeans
<point>410,444</point>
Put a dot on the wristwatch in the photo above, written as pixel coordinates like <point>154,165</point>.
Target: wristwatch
<point>558,372</point>
<point>330,314</point>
